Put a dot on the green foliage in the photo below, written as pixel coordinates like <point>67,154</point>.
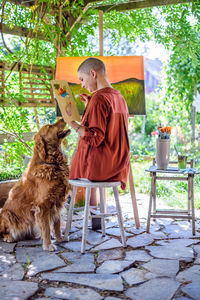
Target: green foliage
<point>180,34</point>
<point>8,172</point>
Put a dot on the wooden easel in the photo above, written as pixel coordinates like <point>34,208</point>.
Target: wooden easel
<point>131,183</point>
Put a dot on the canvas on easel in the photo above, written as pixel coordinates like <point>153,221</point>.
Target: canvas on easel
<point>64,97</point>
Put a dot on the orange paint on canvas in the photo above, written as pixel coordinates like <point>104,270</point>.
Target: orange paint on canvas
<point>118,68</point>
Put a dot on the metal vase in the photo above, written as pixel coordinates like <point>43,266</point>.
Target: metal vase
<point>162,153</point>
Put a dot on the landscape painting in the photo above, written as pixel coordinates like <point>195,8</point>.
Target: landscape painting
<point>125,73</point>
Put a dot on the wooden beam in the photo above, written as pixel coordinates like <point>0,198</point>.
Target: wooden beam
<point>133,5</point>
<point>100,32</point>
<point>22,31</point>
<point>27,137</point>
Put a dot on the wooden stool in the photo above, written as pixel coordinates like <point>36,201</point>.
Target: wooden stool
<point>88,185</point>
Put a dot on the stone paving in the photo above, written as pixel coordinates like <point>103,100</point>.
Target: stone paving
<point>162,265</point>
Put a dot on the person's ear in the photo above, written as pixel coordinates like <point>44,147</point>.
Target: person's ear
<point>93,73</point>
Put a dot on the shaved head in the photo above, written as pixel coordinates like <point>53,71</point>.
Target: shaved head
<point>92,63</point>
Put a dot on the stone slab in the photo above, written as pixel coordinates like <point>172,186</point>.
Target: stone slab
<point>173,249</point>
<point>95,238</point>
<point>78,224</point>
<point>72,257</point>
<point>7,247</point>
<point>49,262</point>
<point>136,276</point>
<point>162,267</point>
<point>36,242</point>
<point>190,274</point>
<point>157,235</point>
<point>73,229</point>
<point>113,266</point>
<point>164,222</point>
<point>180,230</point>
<point>112,298</point>
<point>141,240</point>
<point>111,223</point>
<point>182,298</point>
<point>138,255</point>
<point>75,235</point>
<point>6,260</point>
<point>80,263</point>
<point>77,268</point>
<point>193,290</point>
<point>15,272</point>
<point>99,281</point>
<point>73,293</point>
<point>28,254</point>
<point>115,231</point>
<point>129,224</point>
<point>75,246</point>
<point>110,244</point>
<point>154,289</point>
<point>44,298</point>
<point>17,290</point>
<point>196,248</point>
<point>110,254</point>
<point>137,231</point>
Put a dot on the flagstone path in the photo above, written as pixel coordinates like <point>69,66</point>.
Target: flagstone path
<point>162,265</point>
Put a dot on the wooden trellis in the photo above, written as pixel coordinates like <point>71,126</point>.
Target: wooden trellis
<point>34,84</point>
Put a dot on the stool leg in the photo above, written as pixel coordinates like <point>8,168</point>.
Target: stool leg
<point>85,219</point>
<point>154,195</point>
<point>150,204</point>
<point>119,215</point>
<point>102,210</point>
<point>69,216</point>
<point>189,197</point>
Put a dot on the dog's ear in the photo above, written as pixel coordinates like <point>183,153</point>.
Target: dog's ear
<point>40,146</point>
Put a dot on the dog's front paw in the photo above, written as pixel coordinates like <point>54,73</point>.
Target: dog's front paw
<point>50,247</point>
<point>8,238</point>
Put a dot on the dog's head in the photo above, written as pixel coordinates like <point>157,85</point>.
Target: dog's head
<point>50,136</point>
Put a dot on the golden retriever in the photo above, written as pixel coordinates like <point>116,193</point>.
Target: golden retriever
<point>35,202</point>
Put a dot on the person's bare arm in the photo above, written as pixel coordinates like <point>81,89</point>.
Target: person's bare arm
<point>76,126</point>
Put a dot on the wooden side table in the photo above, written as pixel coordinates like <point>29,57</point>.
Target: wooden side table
<point>187,175</point>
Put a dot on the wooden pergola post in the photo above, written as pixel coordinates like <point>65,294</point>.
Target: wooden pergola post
<point>100,32</point>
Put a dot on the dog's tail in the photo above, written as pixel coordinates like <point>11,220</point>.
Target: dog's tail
<point>8,219</point>
<point>2,229</point>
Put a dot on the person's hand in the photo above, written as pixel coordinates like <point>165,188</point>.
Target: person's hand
<point>69,109</point>
<point>85,98</point>
<point>78,128</point>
